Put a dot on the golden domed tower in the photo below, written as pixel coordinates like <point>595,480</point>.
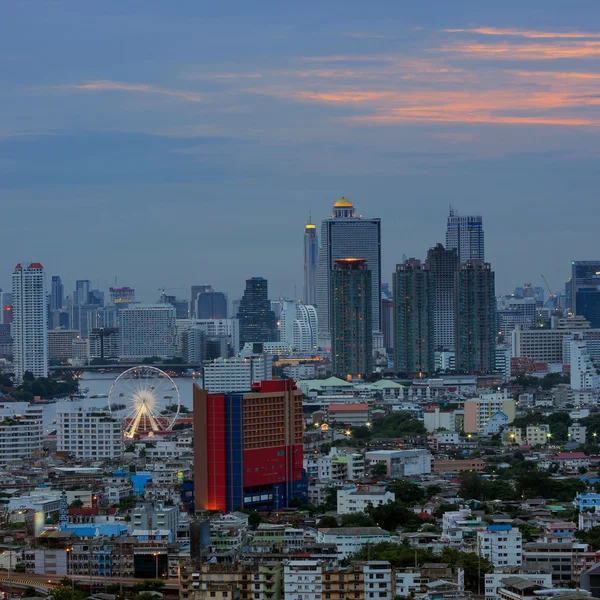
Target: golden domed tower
<point>343,208</point>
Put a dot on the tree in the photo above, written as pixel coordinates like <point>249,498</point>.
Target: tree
<point>379,469</point>
<point>357,520</point>
<point>327,522</point>
<point>472,564</point>
<point>254,519</point>
<point>63,592</point>
<point>591,537</point>
<point>407,492</point>
<point>77,503</point>
<point>30,592</point>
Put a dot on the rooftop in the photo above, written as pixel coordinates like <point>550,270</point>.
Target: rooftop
<point>353,531</point>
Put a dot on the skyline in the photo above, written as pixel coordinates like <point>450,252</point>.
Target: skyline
<point>204,130</point>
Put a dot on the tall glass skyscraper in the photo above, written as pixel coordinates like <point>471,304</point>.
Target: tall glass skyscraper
<point>583,290</point>
<point>257,320</point>
<point>351,334</point>
<point>345,235</point>
<point>57,293</point>
<point>465,235</point>
<point>311,253</point>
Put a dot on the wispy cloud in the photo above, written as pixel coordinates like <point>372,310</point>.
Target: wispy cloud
<point>368,36</point>
<point>106,85</point>
<point>508,51</point>
<point>525,33</point>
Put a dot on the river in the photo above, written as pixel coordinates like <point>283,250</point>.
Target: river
<point>100,383</point>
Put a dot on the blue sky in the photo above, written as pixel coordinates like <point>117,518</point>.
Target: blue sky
<point>168,144</point>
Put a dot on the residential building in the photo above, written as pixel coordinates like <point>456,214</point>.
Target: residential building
<point>435,418</point>
<point>402,463</point>
<point>227,375</point>
<point>512,436</point>
<point>348,414</point>
<point>494,581</point>
<point>442,263</point>
<point>475,318</point>
<point>29,326</point>
<point>501,544</point>
<point>299,326</point>
<point>465,235</point>
<point>577,433</point>
<point>478,411</point>
<point>88,433</point>
<point>560,531</point>
<point>346,235</point>
<point>538,435</point>
<point>583,372</point>
<point>257,320</point>
<point>560,556</point>
<point>516,312</point>
<point>414,304</point>
<point>214,328</point>
<point>248,450</point>
<point>60,343</point>
<point>351,316</point>
<point>105,342</point>
<point>349,540</point>
<point>154,516</point>
<point>357,499</point>
<point>148,330</point>
<point>460,528</point>
<point>311,257</point>
<point>21,431</point>
<point>387,323</point>
<point>347,466</point>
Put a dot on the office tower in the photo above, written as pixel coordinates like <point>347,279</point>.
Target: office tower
<point>120,295</point>
<point>351,314</point>
<point>311,255</point>
<point>583,290</point>
<point>85,317</point>
<point>475,318</point>
<point>5,308</point>
<point>30,333</point>
<point>299,326</point>
<point>181,306</point>
<point>96,298</point>
<point>105,342</point>
<point>215,328</point>
<point>82,292</point>
<point>345,235</point>
<point>195,290</point>
<point>465,235</point>
<point>248,448</point>
<point>57,293</point>
<point>211,305</point>
<point>414,304</point>
<point>387,323</point>
<point>148,330</point>
<point>442,264</point>
<point>60,343</point>
<point>257,320</point>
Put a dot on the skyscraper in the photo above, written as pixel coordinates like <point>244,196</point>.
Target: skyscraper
<point>119,295</point>
<point>5,308</point>
<point>475,318</point>
<point>311,254</point>
<point>195,290</point>
<point>583,290</point>
<point>81,294</point>
<point>30,333</point>
<point>351,314</point>
<point>442,263</point>
<point>299,326</point>
<point>414,304</point>
<point>57,293</point>
<point>211,305</point>
<point>248,450</point>
<point>346,235</point>
<point>148,330</point>
<point>257,320</point>
<point>465,235</point>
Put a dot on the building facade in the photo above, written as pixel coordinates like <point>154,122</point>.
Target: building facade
<point>299,326</point>
<point>60,343</point>
<point>257,320</point>
<point>29,326</point>
<point>148,330</point>
<point>21,431</point>
<point>248,451</point>
<point>237,374</point>
<point>311,256</point>
<point>351,317</point>
<point>414,319</point>
<point>346,235</point>
<point>501,544</point>
<point>475,318</point>
<point>465,235</point>
<point>211,305</point>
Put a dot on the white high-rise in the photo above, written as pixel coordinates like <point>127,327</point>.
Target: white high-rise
<point>465,234</point>
<point>345,235</point>
<point>583,373</point>
<point>148,330</point>
<point>30,333</point>
<point>299,326</point>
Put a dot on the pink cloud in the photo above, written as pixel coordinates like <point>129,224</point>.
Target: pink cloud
<point>118,86</point>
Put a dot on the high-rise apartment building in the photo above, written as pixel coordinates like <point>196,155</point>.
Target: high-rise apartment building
<point>105,342</point>
<point>475,318</point>
<point>351,314</point>
<point>345,235</point>
<point>311,255</point>
<point>257,320</point>
<point>583,373</point>
<point>21,431</point>
<point>57,293</point>
<point>583,290</point>
<point>148,330</point>
<point>414,303</point>
<point>228,328</point>
<point>465,235</point>
<point>237,374</point>
<point>442,264</point>
<point>387,323</point>
<point>211,305</point>
<point>60,343</point>
<point>30,332</point>
<point>248,451</point>
<point>299,326</point>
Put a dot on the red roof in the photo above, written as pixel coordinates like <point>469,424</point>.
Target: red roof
<point>348,407</point>
<point>424,515</point>
<point>35,266</point>
<point>18,266</point>
<point>570,455</point>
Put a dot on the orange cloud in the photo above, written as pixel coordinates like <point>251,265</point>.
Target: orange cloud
<point>530,34</point>
<point>527,51</point>
<point>107,85</point>
<point>474,119</point>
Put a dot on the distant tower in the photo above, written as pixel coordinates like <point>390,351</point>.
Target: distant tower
<point>346,235</point>
<point>465,235</point>
<point>82,292</point>
<point>57,293</point>
<point>351,334</point>
<point>311,254</point>
<point>64,511</point>
<point>257,320</point>
<point>413,319</point>
<point>475,318</point>
<point>30,333</point>
<point>442,264</point>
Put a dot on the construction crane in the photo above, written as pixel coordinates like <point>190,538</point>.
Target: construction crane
<point>164,290</point>
<point>552,296</point>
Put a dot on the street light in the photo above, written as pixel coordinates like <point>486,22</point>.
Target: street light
<point>155,554</point>
<point>70,568</point>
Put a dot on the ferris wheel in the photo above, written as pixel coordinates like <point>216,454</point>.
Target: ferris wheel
<point>146,398</point>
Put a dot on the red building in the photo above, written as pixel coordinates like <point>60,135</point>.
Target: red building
<point>248,448</point>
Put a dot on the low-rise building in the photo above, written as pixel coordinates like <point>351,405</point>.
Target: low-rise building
<point>357,499</point>
<point>402,463</point>
<point>349,540</point>
<point>501,544</point>
<point>538,435</point>
<point>353,415</point>
<point>494,581</point>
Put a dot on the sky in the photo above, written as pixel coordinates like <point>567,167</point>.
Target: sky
<point>164,144</point>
